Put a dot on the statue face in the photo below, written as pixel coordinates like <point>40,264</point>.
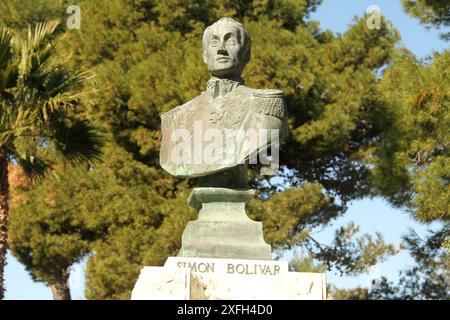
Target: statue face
<point>224,51</point>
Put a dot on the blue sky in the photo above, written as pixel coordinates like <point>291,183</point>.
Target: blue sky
<point>370,214</point>
<point>337,15</point>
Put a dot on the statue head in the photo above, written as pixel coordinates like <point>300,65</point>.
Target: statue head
<point>226,48</point>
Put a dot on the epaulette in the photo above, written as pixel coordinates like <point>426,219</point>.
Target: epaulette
<point>170,115</point>
<point>269,102</point>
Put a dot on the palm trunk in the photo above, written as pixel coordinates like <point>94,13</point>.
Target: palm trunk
<point>4,212</point>
<point>60,289</point>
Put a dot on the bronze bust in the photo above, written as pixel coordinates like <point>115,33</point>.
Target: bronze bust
<point>214,135</point>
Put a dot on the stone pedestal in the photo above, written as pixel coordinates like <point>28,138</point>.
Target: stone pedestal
<point>224,257</point>
<point>223,229</point>
<point>227,279</point>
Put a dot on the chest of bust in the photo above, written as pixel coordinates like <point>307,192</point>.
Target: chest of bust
<point>224,112</point>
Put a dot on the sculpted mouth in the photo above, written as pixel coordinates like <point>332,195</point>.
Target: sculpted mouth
<point>223,59</point>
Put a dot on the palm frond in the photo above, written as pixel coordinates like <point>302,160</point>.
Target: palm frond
<point>63,81</point>
<point>41,31</point>
<point>15,122</point>
<point>5,47</point>
<point>6,119</point>
<point>45,84</point>
<point>33,166</point>
<point>76,141</point>
<point>24,121</point>
<point>8,71</point>
<point>60,91</point>
<point>36,93</point>
<point>8,80</point>
<point>36,51</point>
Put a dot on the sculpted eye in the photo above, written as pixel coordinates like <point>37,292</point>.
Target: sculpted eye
<point>231,41</point>
<point>214,42</point>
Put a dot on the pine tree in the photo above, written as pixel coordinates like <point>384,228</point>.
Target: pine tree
<point>18,15</point>
<point>427,278</point>
<point>414,170</point>
<point>332,96</point>
<point>414,165</point>
<point>52,228</point>
<point>431,13</point>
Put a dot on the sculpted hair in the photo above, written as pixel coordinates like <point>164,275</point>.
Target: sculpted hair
<point>244,36</point>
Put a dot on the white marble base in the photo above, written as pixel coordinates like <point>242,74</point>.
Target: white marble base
<point>227,279</point>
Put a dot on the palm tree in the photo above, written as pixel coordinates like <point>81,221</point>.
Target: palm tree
<point>38,97</point>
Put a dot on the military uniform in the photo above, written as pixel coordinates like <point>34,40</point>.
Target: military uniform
<point>232,110</point>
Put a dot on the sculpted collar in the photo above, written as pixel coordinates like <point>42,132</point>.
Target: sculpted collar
<point>221,87</point>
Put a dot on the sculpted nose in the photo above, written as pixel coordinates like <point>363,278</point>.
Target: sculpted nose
<point>222,50</point>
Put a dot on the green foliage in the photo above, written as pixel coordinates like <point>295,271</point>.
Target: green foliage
<point>38,94</point>
<point>413,162</point>
<point>348,294</point>
<point>49,229</point>
<point>432,13</point>
<point>304,263</point>
<point>412,171</point>
<point>38,100</point>
<point>412,168</point>
<point>19,14</point>
<point>353,256</point>
<point>145,213</point>
<point>290,215</point>
<point>428,279</point>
